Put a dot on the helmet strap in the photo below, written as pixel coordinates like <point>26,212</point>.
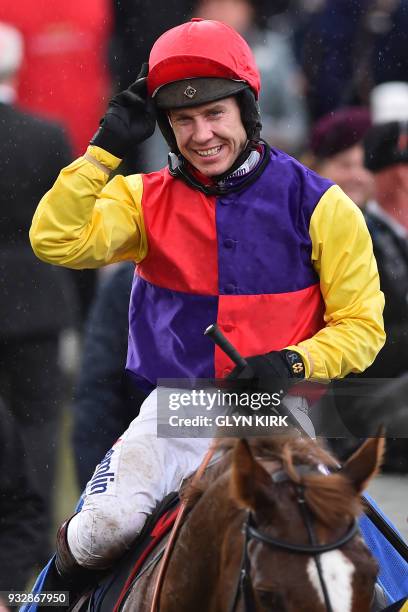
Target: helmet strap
<point>179,169</point>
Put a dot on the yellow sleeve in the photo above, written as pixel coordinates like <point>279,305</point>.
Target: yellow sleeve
<point>342,255</point>
<point>84,221</point>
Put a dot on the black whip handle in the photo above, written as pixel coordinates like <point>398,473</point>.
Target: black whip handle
<point>214,332</point>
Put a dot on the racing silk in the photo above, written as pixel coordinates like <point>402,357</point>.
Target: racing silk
<point>284,262</point>
<point>242,260</point>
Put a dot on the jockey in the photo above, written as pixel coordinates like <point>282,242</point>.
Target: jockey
<point>231,231</point>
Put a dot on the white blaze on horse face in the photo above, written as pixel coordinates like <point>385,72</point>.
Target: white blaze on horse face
<point>338,573</point>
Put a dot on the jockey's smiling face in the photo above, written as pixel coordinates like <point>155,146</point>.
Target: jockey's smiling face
<point>210,136</point>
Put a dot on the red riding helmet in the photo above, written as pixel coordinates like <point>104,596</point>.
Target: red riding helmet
<point>201,48</point>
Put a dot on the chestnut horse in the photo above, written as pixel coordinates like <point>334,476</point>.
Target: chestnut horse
<point>272,526</point>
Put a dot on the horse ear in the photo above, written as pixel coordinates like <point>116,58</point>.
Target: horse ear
<point>247,477</point>
<point>365,462</point>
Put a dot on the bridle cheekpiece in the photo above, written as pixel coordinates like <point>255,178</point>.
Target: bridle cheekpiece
<point>313,549</point>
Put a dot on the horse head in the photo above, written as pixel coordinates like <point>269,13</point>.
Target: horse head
<point>299,543</point>
<point>271,527</point>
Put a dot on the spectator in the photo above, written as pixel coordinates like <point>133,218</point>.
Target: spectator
<point>64,76</point>
<point>337,145</point>
<point>36,301</point>
<point>348,46</point>
<point>337,151</point>
<point>21,509</point>
<point>338,154</point>
<point>106,401</point>
<point>386,155</point>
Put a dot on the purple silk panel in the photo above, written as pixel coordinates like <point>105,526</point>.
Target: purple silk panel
<point>166,334</point>
<point>264,244</point>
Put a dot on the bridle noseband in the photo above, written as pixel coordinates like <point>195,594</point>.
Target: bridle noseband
<point>244,585</point>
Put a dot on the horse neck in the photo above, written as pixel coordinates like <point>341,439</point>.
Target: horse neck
<point>197,561</point>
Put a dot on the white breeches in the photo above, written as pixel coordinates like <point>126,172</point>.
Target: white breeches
<point>134,476</point>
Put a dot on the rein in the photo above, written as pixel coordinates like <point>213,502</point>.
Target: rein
<point>174,532</point>
<point>244,585</point>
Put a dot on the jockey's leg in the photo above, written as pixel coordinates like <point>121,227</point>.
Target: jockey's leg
<point>135,475</point>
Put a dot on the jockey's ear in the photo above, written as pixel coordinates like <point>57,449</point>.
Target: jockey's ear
<point>365,462</point>
<point>248,477</point>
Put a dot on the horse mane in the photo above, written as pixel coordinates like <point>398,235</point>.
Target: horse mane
<point>331,498</point>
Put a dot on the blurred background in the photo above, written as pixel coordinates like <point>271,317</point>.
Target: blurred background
<point>334,94</point>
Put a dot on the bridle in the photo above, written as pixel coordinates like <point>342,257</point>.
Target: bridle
<point>244,584</point>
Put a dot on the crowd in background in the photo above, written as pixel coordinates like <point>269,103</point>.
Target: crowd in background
<point>335,95</point>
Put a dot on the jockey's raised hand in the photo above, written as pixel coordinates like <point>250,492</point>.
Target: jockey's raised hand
<point>266,370</point>
<point>130,118</point>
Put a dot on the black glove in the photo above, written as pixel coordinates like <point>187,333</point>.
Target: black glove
<point>130,118</point>
<point>265,371</point>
